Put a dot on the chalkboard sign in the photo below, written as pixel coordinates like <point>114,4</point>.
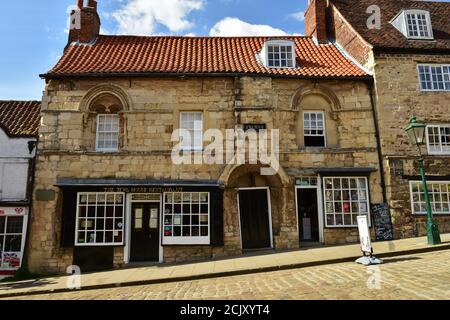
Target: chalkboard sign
<point>382,222</point>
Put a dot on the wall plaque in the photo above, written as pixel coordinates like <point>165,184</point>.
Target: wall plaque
<point>255,126</point>
<point>45,195</point>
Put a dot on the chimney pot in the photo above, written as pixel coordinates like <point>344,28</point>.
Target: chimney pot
<point>93,4</point>
<point>86,23</point>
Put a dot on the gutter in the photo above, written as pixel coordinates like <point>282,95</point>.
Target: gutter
<point>431,51</point>
<point>49,76</point>
<point>32,173</point>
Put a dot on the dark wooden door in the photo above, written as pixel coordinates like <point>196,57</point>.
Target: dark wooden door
<point>144,232</point>
<point>308,217</point>
<point>254,215</point>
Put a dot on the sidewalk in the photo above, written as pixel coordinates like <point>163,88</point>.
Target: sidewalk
<point>273,261</point>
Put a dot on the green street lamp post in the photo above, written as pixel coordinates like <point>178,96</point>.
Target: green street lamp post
<point>416,133</point>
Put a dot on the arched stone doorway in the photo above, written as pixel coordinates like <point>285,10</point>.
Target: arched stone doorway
<point>259,211</point>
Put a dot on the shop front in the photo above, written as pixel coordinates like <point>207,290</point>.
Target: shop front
<point>329,203</point>
<point>112,223</point>
<point>13,230</point>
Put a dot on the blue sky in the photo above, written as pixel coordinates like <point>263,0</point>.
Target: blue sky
<point>33,33</point>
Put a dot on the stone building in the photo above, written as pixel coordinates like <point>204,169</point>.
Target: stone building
<point>405,45</point>
<point>19,123</point>
<point>109,193</point>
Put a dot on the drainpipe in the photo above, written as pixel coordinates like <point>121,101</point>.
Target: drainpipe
<point>369,84</point>
<point>32,171</point>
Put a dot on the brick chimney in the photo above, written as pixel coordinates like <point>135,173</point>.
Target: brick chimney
<point>316,20</point>
<point>84,22</point>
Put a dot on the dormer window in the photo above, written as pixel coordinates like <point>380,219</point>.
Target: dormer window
<point>418,24</point>
<point>279,54</point>
<point>414,24</point>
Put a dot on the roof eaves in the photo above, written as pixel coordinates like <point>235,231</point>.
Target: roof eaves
<point>50,76</point>
<point>430,51</point>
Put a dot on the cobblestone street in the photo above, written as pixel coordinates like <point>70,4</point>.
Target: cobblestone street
<point>420,276</point>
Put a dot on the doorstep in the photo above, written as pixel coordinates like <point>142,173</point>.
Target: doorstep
<point>246,264</point>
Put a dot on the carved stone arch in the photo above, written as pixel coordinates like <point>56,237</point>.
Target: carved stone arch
<point>279,179</point>
<point>320,98</point>
<point>316,89</point>
<point>110,92</point>
<point>104,99</point>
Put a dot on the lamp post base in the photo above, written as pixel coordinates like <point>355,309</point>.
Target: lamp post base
<point>433,233</point>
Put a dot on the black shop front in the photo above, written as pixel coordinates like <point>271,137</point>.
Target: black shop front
<point>111,222</point>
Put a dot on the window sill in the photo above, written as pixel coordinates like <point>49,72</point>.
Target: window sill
<point>186,241</point>
<point>345,227</point>
<point>192,150</point>
<point>99,244</point>
<point>439,154</point>
<point>107,151</point>
<point>424,215</point>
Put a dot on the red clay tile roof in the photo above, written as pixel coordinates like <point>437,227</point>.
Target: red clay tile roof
<point>388,37</point>
<point>132,55</point>
<point>20,118</point>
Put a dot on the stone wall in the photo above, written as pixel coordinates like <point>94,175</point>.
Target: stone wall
<point>398,98</point>
<point>151,112</point>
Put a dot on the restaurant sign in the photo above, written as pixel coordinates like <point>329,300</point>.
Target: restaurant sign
<point>143,189</point>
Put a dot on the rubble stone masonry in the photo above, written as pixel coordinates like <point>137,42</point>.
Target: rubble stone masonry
<point>398,98</point>
<point>150,114</point>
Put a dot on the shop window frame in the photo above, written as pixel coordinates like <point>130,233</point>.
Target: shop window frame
<point>104,230</point>
<point>4,234</point>
<point>185,240</point>
<point>324,202</point>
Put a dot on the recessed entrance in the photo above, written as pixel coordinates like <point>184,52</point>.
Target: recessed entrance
<point>145,235</point>
<point>308,216</point>
<point>254,212</point>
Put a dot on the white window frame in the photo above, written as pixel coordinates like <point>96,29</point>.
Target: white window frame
<point>279,44</point>
<point>350,213</point>
<point>98,132</point>
<point>23,235</point>
<point>324,135</point>
<point>100,244</point>
<point>432,197</point>
<point>184,240</point>
<point>433,84</point>
<point>438,127</point>
<point>192,147</point>
<point>416,14</point>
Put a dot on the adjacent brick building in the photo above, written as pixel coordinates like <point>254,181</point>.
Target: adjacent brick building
<point>108,192</point>
<point>405,45</point>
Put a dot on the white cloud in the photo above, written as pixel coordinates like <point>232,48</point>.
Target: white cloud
<point>142,17</point>
<point>300,15</point>
<point>234,27</point>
